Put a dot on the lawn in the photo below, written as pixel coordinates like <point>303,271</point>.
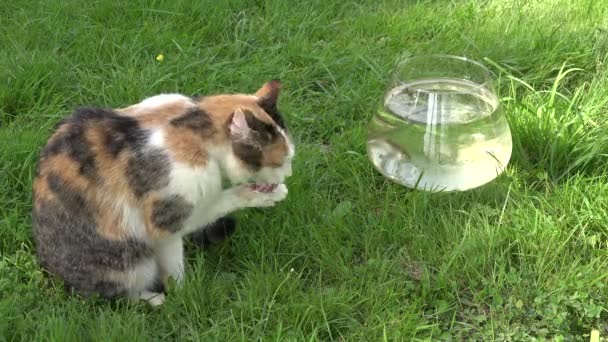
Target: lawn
<point>349,255</point>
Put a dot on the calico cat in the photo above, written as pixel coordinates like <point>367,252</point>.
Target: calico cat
<point>116,191</point>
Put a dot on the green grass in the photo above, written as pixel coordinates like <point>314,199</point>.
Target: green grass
<point>349,255</point>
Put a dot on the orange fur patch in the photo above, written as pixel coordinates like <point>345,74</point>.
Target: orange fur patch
<point>110,169</point>
<point>274,155</point>
<point>186,146</point>
<point>65,166</point>
<point>148,206</point>
<point>269,89</point>
<point>109,223</point>
<point>221,107</point>
<point>42,193</point>
<point>157,117</point>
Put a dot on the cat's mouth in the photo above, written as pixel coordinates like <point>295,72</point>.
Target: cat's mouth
<point>263,187</point>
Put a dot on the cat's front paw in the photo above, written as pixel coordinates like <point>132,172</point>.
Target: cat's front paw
<point>265,199</point>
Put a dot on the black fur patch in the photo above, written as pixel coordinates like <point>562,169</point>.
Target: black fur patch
<point>118,133</point>
<point>147,171</point>
<point>171,212</point>
<point>264,133</point>
<point>121,133</point>
<point>215,232</point>
<point>197,120</point>
<point>158,286</point>
<point>272,110</point>
<point>73,142</point>
<point>249,154</point>
<point>64,192</point>
<point>68,244</point>
<point>250,150</point>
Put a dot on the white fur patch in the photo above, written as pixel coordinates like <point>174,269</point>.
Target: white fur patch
<point>131,219</point>
<point>155,299</point>
<point>202,186</point>
<point>170,258</point>
<point>229,164</point>
<point>199,186</point>
<point>291,149</point>
<point>285,170</point>
<point>163,100</point>
<point>157,138</point>
<point>138,278</point>
<point>194,184</point>
<point>155,102</point>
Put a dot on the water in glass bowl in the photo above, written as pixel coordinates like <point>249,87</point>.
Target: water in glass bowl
<point>440,135</point>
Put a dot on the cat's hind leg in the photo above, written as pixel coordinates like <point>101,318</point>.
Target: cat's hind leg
<point>215,232</point>
<point>153,298</point>
<point>170,259</point>
<point>143,282</point>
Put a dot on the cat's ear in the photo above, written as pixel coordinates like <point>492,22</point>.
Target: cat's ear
<point>268,94</point>
<point>239,128</point>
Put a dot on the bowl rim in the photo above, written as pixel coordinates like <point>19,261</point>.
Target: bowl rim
<point>489,76</point>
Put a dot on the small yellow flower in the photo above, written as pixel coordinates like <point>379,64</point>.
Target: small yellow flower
<point>160,57</point>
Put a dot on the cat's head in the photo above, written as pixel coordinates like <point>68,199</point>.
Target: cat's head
<point>260,140</point>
